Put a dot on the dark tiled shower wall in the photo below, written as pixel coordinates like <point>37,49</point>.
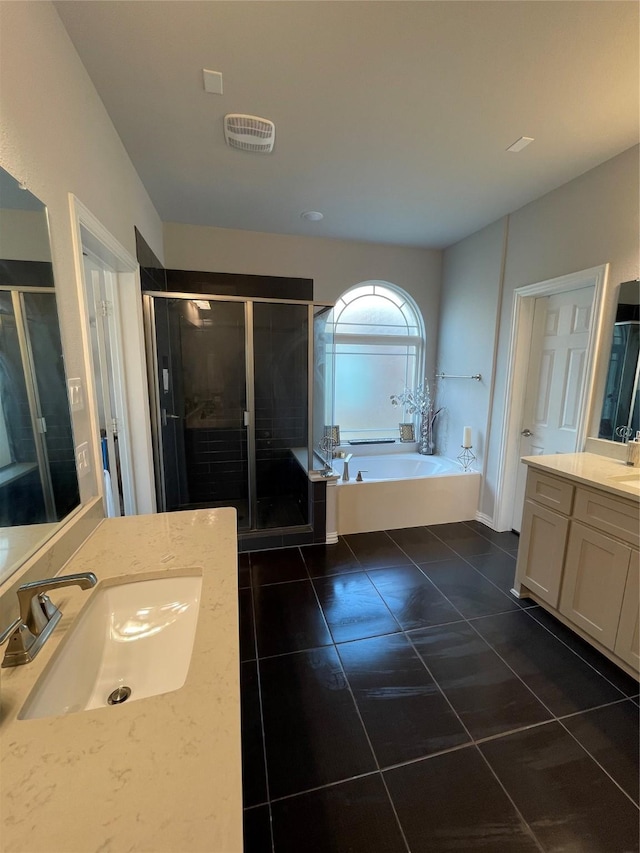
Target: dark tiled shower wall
<point>238,284</point>
<point>217,464</point>
<point>152,273</point>
<point>26,273</point>
<point>21,501</point>
<point>153,276</point>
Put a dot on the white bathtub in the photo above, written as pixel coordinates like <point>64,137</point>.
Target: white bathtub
<point>404,490</point>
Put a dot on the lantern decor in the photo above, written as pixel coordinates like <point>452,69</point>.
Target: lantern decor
<point>420,402</point>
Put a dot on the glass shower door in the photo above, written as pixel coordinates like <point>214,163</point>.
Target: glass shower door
<point>281,387</point>
<point>202,391</point>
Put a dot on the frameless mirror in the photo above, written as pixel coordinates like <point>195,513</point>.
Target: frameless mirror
<point>38,481</point>
<point>620,416</point>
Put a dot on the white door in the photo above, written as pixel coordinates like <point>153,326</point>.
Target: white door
<point>555,380</point>
<point>103,314</point>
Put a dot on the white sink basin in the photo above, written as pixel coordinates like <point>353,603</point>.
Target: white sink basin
<point>134,634</point>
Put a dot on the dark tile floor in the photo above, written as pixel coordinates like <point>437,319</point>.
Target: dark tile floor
<point>396,698</point>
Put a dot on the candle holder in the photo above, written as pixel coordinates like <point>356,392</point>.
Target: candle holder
<point>466,458</point>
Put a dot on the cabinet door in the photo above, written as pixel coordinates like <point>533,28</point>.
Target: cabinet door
<point>541,551</point>
<point>628,638</point>
<point>595,575</point>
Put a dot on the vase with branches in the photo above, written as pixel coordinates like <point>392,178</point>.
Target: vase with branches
<point>420,401</point>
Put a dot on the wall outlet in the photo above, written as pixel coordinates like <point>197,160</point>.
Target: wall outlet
<point>83,460</point>
<point>76,394</point>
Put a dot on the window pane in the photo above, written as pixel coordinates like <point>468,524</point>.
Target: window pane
<point>375,331</point>
<point>372,311</point>
<point>364,383</point>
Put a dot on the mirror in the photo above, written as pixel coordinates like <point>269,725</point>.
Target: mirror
<point>620,418</point>
<point>38,481</point>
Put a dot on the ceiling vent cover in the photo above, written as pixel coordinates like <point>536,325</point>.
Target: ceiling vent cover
<point>249,133</point>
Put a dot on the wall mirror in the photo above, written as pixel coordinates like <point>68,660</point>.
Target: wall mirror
<point>38,480</point>
<point>620,417</point>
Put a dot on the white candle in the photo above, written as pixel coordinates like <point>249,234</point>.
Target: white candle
<point>466,437</point>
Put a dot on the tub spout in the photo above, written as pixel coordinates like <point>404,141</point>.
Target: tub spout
<point>345,470</point>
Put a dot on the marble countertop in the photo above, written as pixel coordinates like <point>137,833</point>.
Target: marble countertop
<point>160,774</point>
<point>593,470</point>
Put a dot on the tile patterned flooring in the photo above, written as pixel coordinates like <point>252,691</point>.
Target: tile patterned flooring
<point>396,698</point>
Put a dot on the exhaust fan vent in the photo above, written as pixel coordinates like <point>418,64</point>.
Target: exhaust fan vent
<point>249,133</point>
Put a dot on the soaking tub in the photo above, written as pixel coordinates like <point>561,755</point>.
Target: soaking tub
<point>404,490</point>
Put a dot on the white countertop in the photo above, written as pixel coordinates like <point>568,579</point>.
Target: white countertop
<point>590,469</point>
<point>161,774</point>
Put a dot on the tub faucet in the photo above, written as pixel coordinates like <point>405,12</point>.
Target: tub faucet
<point>39,616</point>
<point>345,471</point>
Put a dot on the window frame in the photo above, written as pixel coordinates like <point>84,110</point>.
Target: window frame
<point>414,342</point>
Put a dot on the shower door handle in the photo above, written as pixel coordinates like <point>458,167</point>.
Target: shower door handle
<point>167,416</point>
<point>246,419</point>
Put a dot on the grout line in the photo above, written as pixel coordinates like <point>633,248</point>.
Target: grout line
<point>323,787</point>
<point>373,753</point>
<point>407,634</point>
<point>508,665</point>
<point>489,539</point>
<point>596,708</point>
<point>324,618</point>
<point>375,589</point>
<point>264,740</point>
<point>508,796</point>
<point>584,660</point>
<point>595,760</point>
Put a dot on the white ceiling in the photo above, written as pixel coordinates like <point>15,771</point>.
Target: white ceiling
<point>392,117</point>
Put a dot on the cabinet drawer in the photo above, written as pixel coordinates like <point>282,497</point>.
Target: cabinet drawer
<point>611,515</point>
<point>549,491</point>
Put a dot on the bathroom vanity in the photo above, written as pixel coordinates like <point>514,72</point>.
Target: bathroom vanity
<point>578,553</point>
<point>162,773</point>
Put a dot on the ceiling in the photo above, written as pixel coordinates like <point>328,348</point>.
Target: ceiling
<point>392,117</point>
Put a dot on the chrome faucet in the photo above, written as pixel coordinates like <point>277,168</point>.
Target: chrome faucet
<point>345,470</point>
<point>39,616</point>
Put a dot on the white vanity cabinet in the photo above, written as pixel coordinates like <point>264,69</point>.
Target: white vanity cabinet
<point>578,556</point>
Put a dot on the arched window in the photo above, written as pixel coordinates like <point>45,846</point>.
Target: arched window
<point>378,346</point>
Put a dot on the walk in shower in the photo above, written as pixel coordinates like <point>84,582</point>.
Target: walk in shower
<point>233,405</point>
<point>38,481</point>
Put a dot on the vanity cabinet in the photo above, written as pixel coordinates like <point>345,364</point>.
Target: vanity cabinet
<point>578,555</point>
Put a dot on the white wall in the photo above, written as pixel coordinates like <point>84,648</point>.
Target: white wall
<point>24,235</point>
<point>56,137</point>
<point>334,265</point>
<point>589,221</point>
<point>469,305</point>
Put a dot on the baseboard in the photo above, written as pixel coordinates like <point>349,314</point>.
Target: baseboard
<point>485,519</point>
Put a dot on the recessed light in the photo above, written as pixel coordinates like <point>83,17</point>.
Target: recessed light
<point>519,144</point>
<point>312,215</point>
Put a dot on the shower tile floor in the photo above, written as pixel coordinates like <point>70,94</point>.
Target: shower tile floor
<point>396,697</point>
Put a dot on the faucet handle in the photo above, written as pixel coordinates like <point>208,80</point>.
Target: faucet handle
<point>36,608</point>
<point>359,478</point>
<point>39,616</point>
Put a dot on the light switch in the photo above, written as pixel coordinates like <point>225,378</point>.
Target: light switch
<point>76,394</point>
<point>83,463</point>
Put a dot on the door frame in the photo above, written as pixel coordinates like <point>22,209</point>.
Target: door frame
<point>518,362</point>
<point>129,355</point>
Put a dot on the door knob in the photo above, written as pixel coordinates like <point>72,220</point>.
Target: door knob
<point>526,433</point>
